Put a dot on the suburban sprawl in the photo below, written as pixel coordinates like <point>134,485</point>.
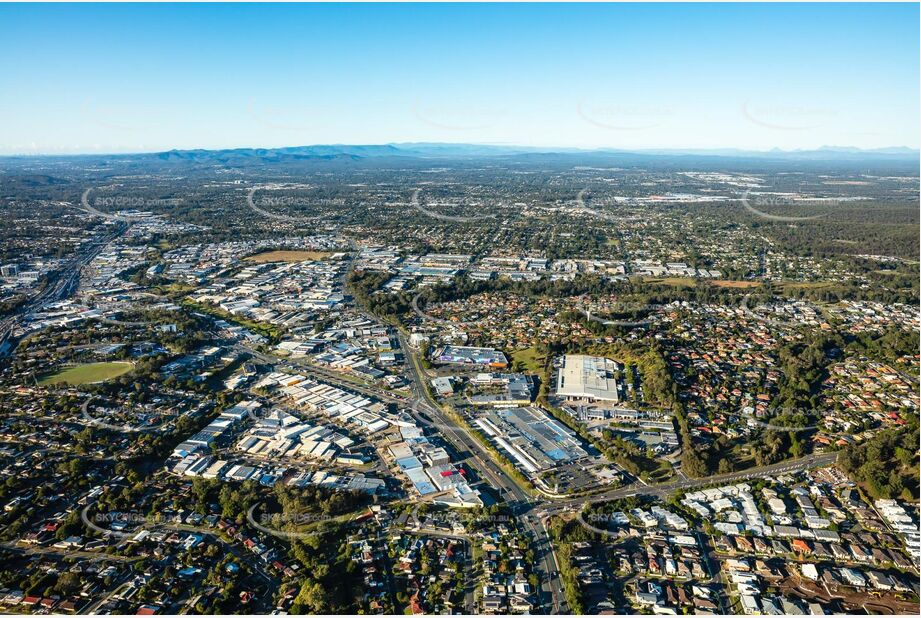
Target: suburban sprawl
<point>388,382</point>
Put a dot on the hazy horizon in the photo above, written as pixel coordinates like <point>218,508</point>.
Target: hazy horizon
<point>551,148</point>
<point>111,79</point>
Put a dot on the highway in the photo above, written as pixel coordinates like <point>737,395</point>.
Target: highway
<point>61,285</point>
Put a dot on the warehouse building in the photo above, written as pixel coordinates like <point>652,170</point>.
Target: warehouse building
<point>587,379</point>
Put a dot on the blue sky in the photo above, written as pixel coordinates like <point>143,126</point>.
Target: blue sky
<point>111,78</point>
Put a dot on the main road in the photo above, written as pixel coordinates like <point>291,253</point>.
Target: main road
<point>530,512</point>
<point>664,490</point>
<point>519,501</point>
<point>61,285</point>
<point>320,373</point>
<point>423,408</point>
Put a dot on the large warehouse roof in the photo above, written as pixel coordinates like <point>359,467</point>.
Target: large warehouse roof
<point>587,377</point>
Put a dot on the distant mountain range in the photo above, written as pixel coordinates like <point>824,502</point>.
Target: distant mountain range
<point>437,150</point>
<point>246,157</point>
<point>289,153</point>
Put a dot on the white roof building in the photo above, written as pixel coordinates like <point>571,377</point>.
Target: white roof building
<point>809,571</point>
<point>587,377</point>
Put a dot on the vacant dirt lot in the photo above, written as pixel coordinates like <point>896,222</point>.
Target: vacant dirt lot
<point>288,256</point>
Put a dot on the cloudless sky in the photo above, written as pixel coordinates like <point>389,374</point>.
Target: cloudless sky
<point>113,78</point>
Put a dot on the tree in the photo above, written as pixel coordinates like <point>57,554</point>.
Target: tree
<point>312,597</point>
<point>692,463</point>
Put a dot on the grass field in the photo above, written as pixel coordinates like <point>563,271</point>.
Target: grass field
<point>689,282</point>
<point>89,373</point>
<point>686,282</point>
<point>529,358</point>
<point>725,283</point>
<point>288,256</point>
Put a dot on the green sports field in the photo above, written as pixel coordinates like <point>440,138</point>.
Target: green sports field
<point>89,373</point>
